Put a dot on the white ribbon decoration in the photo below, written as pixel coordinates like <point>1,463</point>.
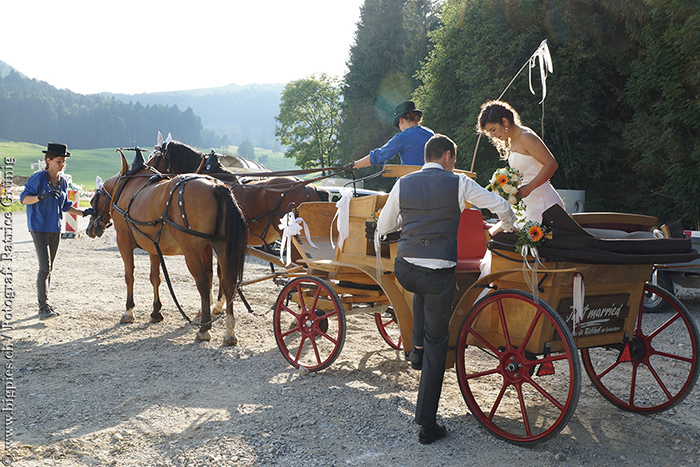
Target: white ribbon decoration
<point>544,58</point>
<point>291,226</point>
<point>531,276</point>
<point>578,295</point>
<point>98,183</point>
<point>343,215</point>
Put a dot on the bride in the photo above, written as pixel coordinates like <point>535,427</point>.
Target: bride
<point>525,152</point>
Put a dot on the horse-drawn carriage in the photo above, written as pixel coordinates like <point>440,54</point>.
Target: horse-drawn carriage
<point>516,349</point>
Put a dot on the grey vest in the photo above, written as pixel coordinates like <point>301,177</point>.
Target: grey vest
<point>429,204</point>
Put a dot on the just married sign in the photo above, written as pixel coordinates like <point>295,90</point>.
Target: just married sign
<point>602,314</point>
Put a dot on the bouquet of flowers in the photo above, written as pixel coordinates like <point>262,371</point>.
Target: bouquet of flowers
<point>530,235</point>
<point>504,182</point>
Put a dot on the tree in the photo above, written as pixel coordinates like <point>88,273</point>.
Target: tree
<point>664,94</point>
<point>309,119</point>
<point>391,41</point>
<point>246,150</point>
<point>606,105</point>
<point>224,142</point>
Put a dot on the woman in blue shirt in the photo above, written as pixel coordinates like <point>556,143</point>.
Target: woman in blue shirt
<point>409,144</point>
<point>46,197</point>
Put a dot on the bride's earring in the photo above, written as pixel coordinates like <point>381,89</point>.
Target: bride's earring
<point>506,128</point>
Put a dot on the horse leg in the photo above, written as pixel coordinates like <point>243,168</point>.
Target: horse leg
<point>199,271</point>
<point>206,259</point>
<point>156,315</point>
<point>220,298</point>
<point>128,258</point>
<point>230,337</point>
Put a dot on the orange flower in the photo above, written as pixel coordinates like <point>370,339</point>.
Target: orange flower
<point>502,180</point>
<point>535,233</point>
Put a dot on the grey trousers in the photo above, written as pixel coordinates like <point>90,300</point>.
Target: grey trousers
<point>435,290</point>
<point>46,245</point>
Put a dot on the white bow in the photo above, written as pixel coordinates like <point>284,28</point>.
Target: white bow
<point>343,215</point>
<point>98,183</point>
<point>291,226</point>
<point>544,58</point>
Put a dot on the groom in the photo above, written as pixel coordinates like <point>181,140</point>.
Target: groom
<point>426,206</point>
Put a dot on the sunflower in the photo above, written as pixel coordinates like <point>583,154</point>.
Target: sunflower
<point>535,232</point>
<point>502,180</point>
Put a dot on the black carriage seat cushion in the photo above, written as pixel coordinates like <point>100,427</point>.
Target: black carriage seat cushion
<point>471,240</point>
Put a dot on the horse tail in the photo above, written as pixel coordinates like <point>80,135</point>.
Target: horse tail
<point>235,232</point>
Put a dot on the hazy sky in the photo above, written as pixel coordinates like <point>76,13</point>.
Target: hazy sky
<point>135,46</point>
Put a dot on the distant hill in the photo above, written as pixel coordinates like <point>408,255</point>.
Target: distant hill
<point>5,69</point>
<point>239,112</point>
<point>84,164</point>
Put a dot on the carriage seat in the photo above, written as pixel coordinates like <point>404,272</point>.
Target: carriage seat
<point>471,240</point>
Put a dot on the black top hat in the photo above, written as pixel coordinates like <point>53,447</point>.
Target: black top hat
<point>56,149</point>
<point>402,109</point>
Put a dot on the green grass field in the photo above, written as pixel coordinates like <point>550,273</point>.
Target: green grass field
<point>85,164</point>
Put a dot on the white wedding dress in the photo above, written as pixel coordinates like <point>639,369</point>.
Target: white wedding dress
<point>542,197</point>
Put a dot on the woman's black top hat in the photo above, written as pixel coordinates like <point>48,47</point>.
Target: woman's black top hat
<point>56,149</point>
<point>402,109</point>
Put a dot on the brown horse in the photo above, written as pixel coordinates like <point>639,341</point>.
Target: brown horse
<point>263,202</point>
<point>184,215</point>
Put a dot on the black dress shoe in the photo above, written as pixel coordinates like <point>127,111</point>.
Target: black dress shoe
<point>428,434</point>
<point>415,358</point>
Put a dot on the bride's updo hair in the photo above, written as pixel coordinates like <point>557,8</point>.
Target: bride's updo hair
<point>495,112</point>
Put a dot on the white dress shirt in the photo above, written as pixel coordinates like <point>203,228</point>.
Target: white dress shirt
<point>469,192</point>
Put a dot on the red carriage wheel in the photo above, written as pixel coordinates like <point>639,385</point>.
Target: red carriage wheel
<point>309,323</point>
<point>520,396</point>
<point>658,366</point>
<point>388,328</point>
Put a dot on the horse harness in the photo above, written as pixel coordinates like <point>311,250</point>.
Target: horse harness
<point>134,224</point>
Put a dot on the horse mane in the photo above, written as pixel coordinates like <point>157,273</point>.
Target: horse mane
<point>182,158</point>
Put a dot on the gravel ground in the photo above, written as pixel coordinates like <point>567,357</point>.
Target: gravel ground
<point>92,392</point>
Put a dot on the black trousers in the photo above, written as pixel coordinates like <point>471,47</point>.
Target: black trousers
<point>435,291</point>
<point>46,245</point>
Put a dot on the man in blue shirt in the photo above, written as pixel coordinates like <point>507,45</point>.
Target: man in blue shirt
<point>409,144</point>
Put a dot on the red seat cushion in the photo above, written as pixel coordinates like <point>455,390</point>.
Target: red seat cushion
<point>471,240</point>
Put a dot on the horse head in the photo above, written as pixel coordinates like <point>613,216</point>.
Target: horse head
<point>101,203</point>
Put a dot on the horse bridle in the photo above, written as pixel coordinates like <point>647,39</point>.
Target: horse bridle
<point>100,219</point>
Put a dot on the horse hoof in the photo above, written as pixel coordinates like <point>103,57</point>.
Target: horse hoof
<point>126,319</point>
<point>219,309</point>
<point>230,340</point>
<point>202,337</point>
<point>156,317</point>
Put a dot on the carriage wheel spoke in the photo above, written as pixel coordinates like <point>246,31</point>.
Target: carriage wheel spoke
<point>658,380</point>
<point>523,410</point>
<point>546,394</point>
<point>502,318</point>
<point>664,326</point>
<point>498,400</point>
<point>486,343</point>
